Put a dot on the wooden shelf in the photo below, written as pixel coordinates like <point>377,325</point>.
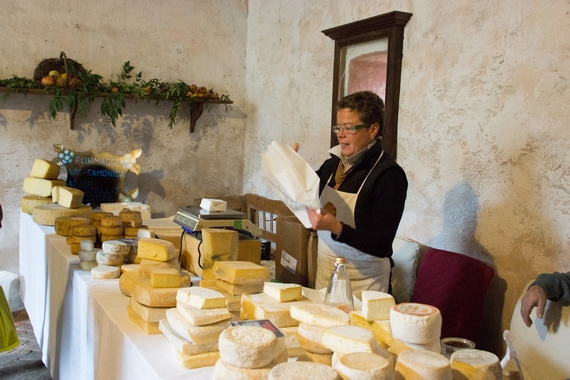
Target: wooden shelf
<point>196,104</point>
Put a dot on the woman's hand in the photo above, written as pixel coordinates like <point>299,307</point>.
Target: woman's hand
<point>324,221</point>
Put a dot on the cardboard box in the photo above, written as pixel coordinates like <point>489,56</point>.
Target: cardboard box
<point>292,251</point>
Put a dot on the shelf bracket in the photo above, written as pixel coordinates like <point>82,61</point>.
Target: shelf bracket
<point>196,109</point>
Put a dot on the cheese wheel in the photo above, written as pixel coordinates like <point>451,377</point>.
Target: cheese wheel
<point>69,197</point>
<point>111,231</point>
<point>415,323</point>
<point>363,366</point>
<point>422,365</point>
<point>205,359</point>
<point>309,356</point>
<point>109,259</point>
<point>28,202</point>
<point>225,371</point>
<point>41,186</point>
<point>75,248</point>
<point>475,365</point>
<point>85,255</point>
<point>61,225</point>
<point>115,247</point>
<point>44,169</point>
<point>248,346</point>
<point>105,272</point>
<point>130,218</point>
<point>348,339</point>
<point>87,245</point>
<point>111,221</point>
<point>83,230</point>
<point>302,371</point>
<point>143,293</point>
<point>184,346</point>
<point>46,214</point>
<point>126,281</point>
<point>376,305</point>
<point>319,315</point>
<point>132,231</point>
<point>87,265</point>
<point>310,338</point>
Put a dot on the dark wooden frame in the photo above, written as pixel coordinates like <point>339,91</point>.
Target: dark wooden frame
<point>390,25</point>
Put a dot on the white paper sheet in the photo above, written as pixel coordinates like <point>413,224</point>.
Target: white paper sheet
<point>292,179</point>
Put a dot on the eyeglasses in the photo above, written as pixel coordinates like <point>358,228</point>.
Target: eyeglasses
<point>349,129</point>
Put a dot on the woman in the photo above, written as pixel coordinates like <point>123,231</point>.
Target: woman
<point>363,192</point>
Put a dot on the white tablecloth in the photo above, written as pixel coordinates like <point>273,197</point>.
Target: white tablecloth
<point>82,324</point>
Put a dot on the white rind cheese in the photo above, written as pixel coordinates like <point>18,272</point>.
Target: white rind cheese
<point>115,247</point>
<point>319,315</point>
<point>348,339</point>
<point>475,364</point>
<point>363,366</point>
<point>105,272</point>
<point>415,323</point>
<point>47,214</point>
<point>203,298</point>
<point>302,371</point>
<point>248,346</point>
<point>85,255</point>
<point>197,334</point>
<point>199,317</point>
<point>87,265</point>
<point>283,292</point>
<point>109,259</point>
<point>422,364</point>
<point>376,305</point>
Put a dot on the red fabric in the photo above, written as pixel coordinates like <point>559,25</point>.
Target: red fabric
<point>457,285</point>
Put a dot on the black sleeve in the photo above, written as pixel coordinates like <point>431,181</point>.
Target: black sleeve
<point>377,215</point>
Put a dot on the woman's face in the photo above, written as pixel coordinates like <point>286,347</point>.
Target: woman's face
<point>353,143</point>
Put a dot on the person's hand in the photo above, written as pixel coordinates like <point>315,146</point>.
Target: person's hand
<point>324,221</point>
<point>295,146</point>
<point>534,297</point>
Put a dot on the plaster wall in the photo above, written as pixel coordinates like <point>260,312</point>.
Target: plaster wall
<point>483,124</point>
<point>192,41</point>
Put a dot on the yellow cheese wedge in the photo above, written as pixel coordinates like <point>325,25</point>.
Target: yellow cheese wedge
<point>283,292</point>
<point>240,272</point>
<point>69,196</point>
<point>165,278</point>
<point>376,305</point>
<point>146,266</point>
<point>44,169</point>
<point>219,244</point>
<point>28,202</point>
<point>156,249</point>
<point>319,315</point>
<point>249,250</point>
<point>40,186</point>
<point>261,306</point>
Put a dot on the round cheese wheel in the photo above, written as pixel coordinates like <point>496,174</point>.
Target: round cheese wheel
<point>422,364</point>
<point>105,272</point>
<point>309,337</point>
<point>87,265</point>
<point>83,230</point>
<point>247,346</point>
<point>415,323</point>
<point>225,371</point>
<point>46,214</point>
<point>111,230</point>
<point>87,244</point>
<point>79,239</point>
<point>363,366</point>
<point>302,371</point>
<point>476,365</point>
<point>28,202</point>
<point>109,259</point>
<point>115,247</point>
<point>111,221</point>
<point>90,255</point>
<point>75,221</point>
<point>98,215</point>
<point>105,238</point>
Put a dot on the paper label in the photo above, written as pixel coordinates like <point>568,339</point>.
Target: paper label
<point>265,323</point>
<point>289,262</point>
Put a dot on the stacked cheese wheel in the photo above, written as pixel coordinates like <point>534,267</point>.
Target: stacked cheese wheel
<point>87,255</point>
<point>417,364</point>
<point>194,326</point>
<point>110,259</point>
<point>132,222</point>
<point>81,230</point>
<point>248,353</point>
<point>415,326</point>
<point>111,228</point>
<point>475,364</point>
<point>314,319</point>
<point>38,185</point>
<point>153,285</point>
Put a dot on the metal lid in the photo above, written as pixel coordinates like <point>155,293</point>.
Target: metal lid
<point>340,260</point>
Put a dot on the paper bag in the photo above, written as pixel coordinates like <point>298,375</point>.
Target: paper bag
<point>292,179</point>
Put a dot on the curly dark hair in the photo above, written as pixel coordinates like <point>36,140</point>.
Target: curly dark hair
<point>368,105</point>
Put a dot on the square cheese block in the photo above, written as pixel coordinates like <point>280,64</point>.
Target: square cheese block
<point>348,339</point>
<point>203,298</point>
<point>156,249</point>
<point>283,292</point>
<point>44,169</point>
<point>143,293</point>
<point>185,346</point>
<point>206,359</point>
<point>238,290</point>
<point>261,306</point>
<point>151,328</point>
<point>41,186</point>
<point>147,313</point>
<point>197,334</point>
<point>319,315</point>
<point>240,272</point>
<point>68,196</point>
<point>201,317</point>
<point>165,278</point>
<point>376,305</point>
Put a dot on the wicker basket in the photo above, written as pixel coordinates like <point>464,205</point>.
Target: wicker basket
<point>61,64</point>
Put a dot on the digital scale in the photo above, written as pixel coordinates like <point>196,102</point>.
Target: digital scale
<point>195,218</point>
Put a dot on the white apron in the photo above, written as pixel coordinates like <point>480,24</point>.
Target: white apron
<point>366,272</point>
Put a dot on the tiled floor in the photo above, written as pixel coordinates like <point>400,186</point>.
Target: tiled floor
<point>25,361</point>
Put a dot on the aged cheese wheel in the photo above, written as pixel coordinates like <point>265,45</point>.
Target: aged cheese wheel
<point>46,214</point>
<point>248,346</point>
<point>28,202</point>
<point>415,323</point>
<point>105,272</point>
<point>115,247</point>
<point>75,221</point>
<point>105,238</point>
<point>422,364</point>
<point>79,239</point>
<point>85,255</point>
<point>87,265</point>
<point>109,231</point>
<point>111,221</point>
<point>99,215</point>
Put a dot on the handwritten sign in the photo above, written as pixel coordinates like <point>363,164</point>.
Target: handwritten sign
<point>101,176</point>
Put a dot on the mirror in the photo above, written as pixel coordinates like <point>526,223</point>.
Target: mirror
<point>368,56</point>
